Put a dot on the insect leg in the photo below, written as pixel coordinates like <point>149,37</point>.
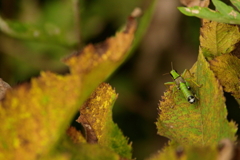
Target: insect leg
<point>167,84</point>
<point>187,70</point>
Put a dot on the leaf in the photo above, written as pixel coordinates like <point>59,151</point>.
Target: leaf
<point>52,29</point>
<point>217,38</point>
<point>32,122</point>
<point>219,41</point>
<point>67,150</point>
<point>226,69</point>
<point>75,135</point>
<point>203,123</point>
<point>36,115</point>
<point>223,151</point>
<point>236,3</point>
<point>96,117</point>
<point>223,13</point>
<point>95,63</point>
<point>189,153</point>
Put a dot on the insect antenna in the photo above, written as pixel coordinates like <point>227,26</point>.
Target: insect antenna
<point>165,74</point>
<point>172,65</point>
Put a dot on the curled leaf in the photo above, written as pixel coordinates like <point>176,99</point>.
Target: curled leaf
<point>96,118</point>
<point>75,135</point>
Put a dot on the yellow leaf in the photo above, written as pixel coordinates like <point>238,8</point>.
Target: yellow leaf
<point>226,69</point>
<point>96,118</point>
<point>218,38</point>
<point>34,116</point>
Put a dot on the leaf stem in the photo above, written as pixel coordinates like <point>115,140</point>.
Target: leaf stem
<point>76,14</point>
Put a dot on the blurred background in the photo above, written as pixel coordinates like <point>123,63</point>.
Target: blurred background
<point>170,37</point>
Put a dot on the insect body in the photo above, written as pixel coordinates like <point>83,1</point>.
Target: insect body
<point>183,86</point>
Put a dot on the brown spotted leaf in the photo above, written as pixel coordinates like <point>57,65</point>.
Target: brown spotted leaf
<point>75,135</point>
<point>31,118</point>
<point>96,118</point>
<point>35,116</point>
<point>95,63</point>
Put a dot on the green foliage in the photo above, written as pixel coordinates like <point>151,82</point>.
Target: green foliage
<point>223,13</point>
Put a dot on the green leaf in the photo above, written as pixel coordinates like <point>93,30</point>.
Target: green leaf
<point>223,13</point>
<point>236,3</point>
<point>202,123</point>
<point>47,33</point>
<point>66,150</point>
<point>224,9</point>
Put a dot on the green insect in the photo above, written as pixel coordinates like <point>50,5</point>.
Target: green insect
<point>182,85</point>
